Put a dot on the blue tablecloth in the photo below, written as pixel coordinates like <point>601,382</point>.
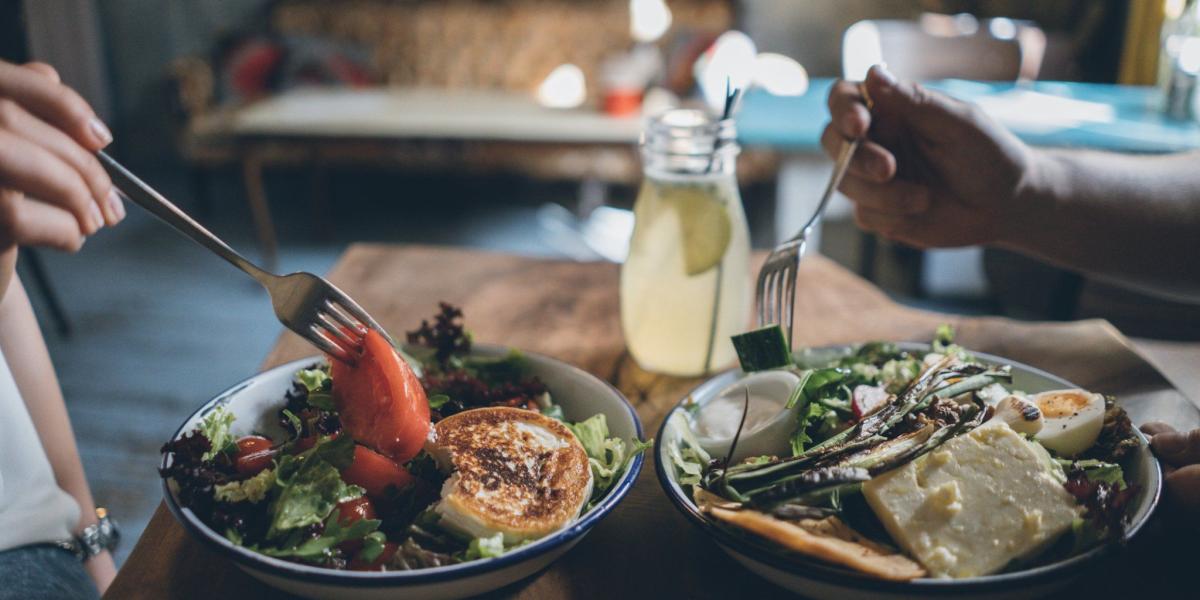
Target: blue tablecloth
<point>795,123</point>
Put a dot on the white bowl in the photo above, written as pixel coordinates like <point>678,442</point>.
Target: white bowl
<point>255,403</point>
<point>816,579</point>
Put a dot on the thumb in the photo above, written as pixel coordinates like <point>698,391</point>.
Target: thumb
<point>919,109</point>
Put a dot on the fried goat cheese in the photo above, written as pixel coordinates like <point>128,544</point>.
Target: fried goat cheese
<point>513,471</point>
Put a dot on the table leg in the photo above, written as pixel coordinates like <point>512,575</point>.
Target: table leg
<point>260,211</point>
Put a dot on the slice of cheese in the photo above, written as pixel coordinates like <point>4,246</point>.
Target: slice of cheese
<point>973,505</point>
<point>515,472</point>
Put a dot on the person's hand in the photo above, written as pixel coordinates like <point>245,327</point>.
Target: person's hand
<point>53,191</point>
<point>1179,453</point>
<point>931,171</point>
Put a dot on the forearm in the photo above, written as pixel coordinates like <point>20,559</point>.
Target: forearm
<point>23,346</point>
<point>25,350</point>
<point>1133,219</point>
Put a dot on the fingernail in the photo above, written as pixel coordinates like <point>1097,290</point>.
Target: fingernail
<point>100,130</point>
<point>116,208</point>
<point>884,74</point>
<point>97,218</point>
<point>1169,443</point>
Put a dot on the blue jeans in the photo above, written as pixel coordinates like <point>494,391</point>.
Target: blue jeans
<point>43,572</point>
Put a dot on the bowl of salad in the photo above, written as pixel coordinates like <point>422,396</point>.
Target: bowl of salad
<point>905,470</point>
<point>442,469</point>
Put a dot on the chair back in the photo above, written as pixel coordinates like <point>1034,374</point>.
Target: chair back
<point>945,46</point>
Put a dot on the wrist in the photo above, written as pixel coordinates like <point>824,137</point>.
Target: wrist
<point>97,534</point>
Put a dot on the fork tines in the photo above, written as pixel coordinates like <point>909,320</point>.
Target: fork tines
<point>777,286</point>
<point>334,331</point>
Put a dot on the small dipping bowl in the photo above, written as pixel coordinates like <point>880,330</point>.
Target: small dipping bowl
<point>769,425</point>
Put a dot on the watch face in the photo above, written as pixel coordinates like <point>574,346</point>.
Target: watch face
<point>99,537</point>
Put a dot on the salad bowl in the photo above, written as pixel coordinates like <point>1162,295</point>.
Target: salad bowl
<point>817,579</point>
<point>255,402</point>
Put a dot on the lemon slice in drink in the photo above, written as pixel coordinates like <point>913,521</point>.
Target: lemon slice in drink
<point>704,223</point>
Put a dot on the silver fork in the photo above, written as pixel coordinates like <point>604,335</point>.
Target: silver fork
<point>305,303</point>
<point>777,279</point>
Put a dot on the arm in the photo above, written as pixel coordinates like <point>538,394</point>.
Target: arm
<point>23,346</point>
<point>1132,219</point>
<point>936,172</point>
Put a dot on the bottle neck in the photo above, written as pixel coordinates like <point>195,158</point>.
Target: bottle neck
<point>689,144</point>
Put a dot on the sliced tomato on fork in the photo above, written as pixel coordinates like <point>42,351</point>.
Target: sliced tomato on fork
<point>380,400</point>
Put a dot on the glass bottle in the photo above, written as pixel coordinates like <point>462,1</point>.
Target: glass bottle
<point>685,287</point>
<point>1179,59</point>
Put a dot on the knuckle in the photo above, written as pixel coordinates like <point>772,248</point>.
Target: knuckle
<point>1193,440</point>
<point>72,105</point>
<point>921,94</point>
<point>45,69</point>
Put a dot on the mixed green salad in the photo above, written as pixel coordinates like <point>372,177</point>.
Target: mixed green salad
<point>349,484</point>
<point>920,450</point>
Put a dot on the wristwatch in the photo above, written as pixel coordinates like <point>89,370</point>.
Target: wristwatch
<point>95,538</point>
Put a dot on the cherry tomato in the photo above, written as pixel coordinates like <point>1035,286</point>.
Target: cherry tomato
<point>375,473</point>
<point>389,550</point>
<point>381,401</point>
<point>253,455</point>
<point>353,511</point>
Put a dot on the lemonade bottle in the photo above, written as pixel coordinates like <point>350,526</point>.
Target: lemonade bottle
<point>685,286</point>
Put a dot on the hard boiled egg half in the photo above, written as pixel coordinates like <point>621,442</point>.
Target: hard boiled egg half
<point>1071,420</point>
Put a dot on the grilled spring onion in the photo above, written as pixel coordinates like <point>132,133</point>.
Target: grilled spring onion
<point>862,450</point>
<point>803,486</point>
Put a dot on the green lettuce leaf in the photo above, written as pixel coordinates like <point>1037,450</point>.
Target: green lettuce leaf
<point>814,416</point>
<point>513,366</point>
<point>317,549</point>
<point>609,456</point>
<point>319,385</point>
<point>215,428</point>
<point>684,450</point>
<point>372,546</point>
<point>1097,470</point>
<point>554,411</point>
<point>250,490</point>
<point>485,547</point>
<point>315,380</point>
<point>311,485</point>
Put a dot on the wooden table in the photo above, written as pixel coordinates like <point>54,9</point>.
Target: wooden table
<point>570,311</point>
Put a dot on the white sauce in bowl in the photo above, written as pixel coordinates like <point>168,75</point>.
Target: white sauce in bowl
<point>768,422</point>
<point>719,418</point>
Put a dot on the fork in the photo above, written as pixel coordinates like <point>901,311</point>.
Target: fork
<point>305,303</point>
<point>777,279</point>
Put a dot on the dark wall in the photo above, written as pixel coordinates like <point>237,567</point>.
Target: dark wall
<point>12,31</point>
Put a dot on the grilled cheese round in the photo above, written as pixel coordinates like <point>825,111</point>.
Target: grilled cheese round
<point>515,472</point>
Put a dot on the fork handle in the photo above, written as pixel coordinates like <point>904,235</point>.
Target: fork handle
<point>146,197</point>
<point>840,166</point>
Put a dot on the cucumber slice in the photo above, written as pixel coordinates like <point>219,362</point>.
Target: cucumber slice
<point>762,349</point>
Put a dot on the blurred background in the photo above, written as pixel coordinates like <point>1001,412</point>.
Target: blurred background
<point>293,128</point>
